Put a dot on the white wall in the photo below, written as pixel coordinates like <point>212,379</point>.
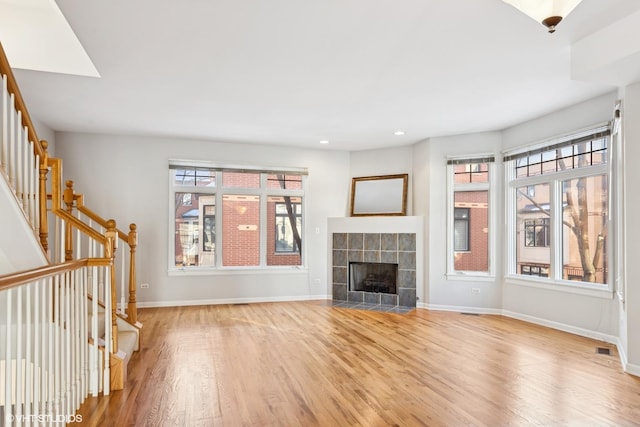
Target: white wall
<point>387,161</point>
<point>590,315</point>
<point>448,292</point>
<point>126,178</point>
<point>47,134</point>
<point>128,188</point>
<point>631,316</point>
<point>422,182</point>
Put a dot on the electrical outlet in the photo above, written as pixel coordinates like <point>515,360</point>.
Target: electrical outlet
<point>144,286</point>
<point>475,290</point>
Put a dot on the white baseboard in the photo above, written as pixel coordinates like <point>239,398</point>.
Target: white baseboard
<point>461,309</point>
<point>184,303</point>
<point>632,369</point>
<point>563,327</point>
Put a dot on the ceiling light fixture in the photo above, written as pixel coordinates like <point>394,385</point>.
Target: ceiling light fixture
<point>324,141</point>
<point>399,133</point>
<point>547,12</point>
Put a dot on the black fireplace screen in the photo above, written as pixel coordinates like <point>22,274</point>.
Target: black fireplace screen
<point>373,277</point>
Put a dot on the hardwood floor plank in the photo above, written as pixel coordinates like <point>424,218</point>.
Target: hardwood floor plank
<point>310,364</point>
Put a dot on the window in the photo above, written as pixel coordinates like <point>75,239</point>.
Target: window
<point>461,229</point>
<point>559,202</point>
<point>287,212</point>
<point>469,216</point>
<point>536,232</point>
<point>534,270</point>
<point>253,219</point>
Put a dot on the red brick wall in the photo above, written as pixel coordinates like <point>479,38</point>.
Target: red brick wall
<point>477,259</point>
<point>240,230</point>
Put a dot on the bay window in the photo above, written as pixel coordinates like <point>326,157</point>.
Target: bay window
<point>558,198</point>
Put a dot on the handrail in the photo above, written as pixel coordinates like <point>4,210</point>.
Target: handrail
<point>29,177</point>
<point>79,198</point>
<point>12,280</point>
<point>12,85</point>
<point>57,209</point>
<point>131,239</point>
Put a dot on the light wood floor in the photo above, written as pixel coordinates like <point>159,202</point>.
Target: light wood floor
<point>310,364</point>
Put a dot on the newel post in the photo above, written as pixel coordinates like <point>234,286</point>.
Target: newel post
<point>42,190</point>
<point>110,252</point>
<point>132,309</point>
<point>67,198</point>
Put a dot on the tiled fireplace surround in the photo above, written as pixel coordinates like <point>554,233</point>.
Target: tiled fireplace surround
<point>393,248</point>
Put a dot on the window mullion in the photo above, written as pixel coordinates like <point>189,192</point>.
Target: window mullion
<point>218,223</point>
<point>450,219</point>
<point>557,215</point>
<point>263,220</point>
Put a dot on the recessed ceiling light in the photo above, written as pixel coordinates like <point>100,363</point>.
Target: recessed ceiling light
<point>324,141</point>
<point>399,133</point>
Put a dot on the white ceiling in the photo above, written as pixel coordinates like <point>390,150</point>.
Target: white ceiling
<point>294,72</point>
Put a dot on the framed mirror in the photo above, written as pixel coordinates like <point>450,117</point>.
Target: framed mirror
<point>379,195</point>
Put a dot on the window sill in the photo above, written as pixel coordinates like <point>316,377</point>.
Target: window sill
<point>471,276</point>
<point>599,291</point>
<point>237,271</point>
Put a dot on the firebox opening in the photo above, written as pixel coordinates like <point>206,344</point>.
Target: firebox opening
<point>373,277</point>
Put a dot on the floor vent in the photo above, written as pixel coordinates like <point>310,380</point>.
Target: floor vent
<point>471,314</point>
<point>603,350</point>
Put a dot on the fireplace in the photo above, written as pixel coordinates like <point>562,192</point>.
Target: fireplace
<point>392,256</point>
<point>373,277</point>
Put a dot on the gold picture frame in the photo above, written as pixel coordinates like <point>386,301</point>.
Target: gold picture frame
<point>383,195</point>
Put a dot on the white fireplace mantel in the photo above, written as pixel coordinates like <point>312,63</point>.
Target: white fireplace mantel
<point>376,224</point>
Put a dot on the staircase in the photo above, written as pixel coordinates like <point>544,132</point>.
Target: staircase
<point>68,314</point>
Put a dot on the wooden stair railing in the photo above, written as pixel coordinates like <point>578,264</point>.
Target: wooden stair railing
<point>23,156</point>
<point>25,164</point>
<point>76,201</point>
<point>49,358</point>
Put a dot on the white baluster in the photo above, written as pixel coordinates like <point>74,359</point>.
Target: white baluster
<point>84,300</point>
<point>95,363</point>
<point>31,189</point>
<point>66,340</point>
<point>19,372</point>
<point>57,347</point>
<point>108,341</point>
<point>19,183</point>
<point>123,269</point>
<point>28,387</point>
<point>4,124</point>
<point>51,346</point>
<point>37,343</point>
<point>36,196</point>
<point>12,141</point>
<point>8,356</point>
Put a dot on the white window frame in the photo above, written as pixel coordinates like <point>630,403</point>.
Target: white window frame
<point>452,187</point>
<point>219,191</point>
<point>555,180</point>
